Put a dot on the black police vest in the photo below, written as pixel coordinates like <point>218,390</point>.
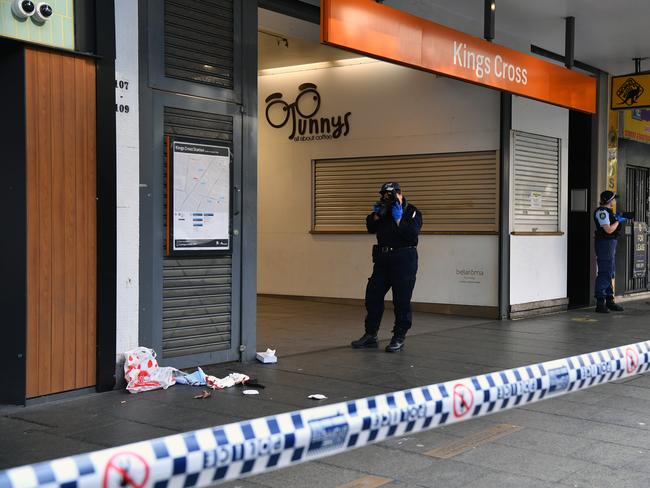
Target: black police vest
<point>390,235</point>
<point>600,233</point>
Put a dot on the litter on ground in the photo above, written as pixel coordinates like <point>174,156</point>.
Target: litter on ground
<point>142,373</point>
<point>267,357</point>
<point>203,396</point>
<point>199,378</point>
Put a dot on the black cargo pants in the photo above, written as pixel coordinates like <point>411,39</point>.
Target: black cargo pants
<point>396,270</point>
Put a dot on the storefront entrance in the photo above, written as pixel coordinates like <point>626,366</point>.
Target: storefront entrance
<point>332,127</point>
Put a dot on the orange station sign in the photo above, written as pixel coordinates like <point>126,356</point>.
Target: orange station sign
<point>379,31</point>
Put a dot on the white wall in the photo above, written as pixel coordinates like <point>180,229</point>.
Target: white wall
<point>538,264</point>
<point>395,110</point>
<point>128,174</point>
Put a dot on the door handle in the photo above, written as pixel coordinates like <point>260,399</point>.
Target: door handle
<point>236,200</point>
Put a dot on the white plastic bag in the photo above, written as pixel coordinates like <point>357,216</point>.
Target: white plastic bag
<point>142,372</point>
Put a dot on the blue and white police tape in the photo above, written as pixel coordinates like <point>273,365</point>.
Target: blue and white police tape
<point>213,455</point>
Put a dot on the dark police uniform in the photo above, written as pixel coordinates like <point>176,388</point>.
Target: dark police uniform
<point>605,245</point>
<point>395,260</point>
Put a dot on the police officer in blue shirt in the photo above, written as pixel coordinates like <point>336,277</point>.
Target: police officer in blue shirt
<point>608,229</point>
<point>397,223</point>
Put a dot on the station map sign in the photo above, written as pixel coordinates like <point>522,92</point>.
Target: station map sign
<point>199,213</point>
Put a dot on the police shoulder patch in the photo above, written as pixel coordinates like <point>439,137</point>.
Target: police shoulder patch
<point>602,217</point>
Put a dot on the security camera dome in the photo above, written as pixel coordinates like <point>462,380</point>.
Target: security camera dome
<point>43,13</point>
<point>45,10</point>
<point>28,6</point>
<point>23,9</point>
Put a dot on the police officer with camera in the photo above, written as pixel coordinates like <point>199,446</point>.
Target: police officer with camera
<point>608,230</point>
<point>397,223</point>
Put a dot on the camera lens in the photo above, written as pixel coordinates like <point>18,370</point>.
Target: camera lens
<point>45,10</point>
<point>27,6</point>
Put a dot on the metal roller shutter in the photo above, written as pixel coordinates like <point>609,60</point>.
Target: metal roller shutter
<point>196,291</point>
<point>199,41</point>
<point>637,185</point>
<point>196,306</point>
<point>536,182</point>
<point>456,192</point>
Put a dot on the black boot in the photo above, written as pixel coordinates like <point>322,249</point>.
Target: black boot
<point>601,306</point>
<point>611,305</point>
<point>367,340</point>
<point>396,344</point>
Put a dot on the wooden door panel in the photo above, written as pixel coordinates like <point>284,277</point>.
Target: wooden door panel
<point>61,183</point>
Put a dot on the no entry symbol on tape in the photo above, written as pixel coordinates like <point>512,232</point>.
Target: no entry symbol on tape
<point>463,400</point>
<point>631,360</point>
<point>126,469</point>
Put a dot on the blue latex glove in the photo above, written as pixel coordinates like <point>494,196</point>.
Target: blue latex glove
<point>376,208</point>
<point>195,379</point>
<point>397,211</point>
<point>620,218</point>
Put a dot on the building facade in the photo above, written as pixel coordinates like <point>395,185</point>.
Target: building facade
<point>142,124</point>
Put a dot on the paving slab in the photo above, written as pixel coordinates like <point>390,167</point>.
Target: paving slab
<point>120,432</point>
<point>39,446</point>
<point>381,460</point>
<point>446,473</point>
<point>626,436</point>
<point>540,466</point>
<point>536,440</point>
<point>545,421</point>
<point>596,476</point>
<point>303,476</point>
<point>508,480</point>
<point>608,454</point>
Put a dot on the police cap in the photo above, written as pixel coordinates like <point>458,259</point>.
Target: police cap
<point>607,196</point>
<point>390,186</point>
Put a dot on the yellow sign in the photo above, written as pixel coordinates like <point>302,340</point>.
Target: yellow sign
<point>636,125</point>
<point>630,91</point>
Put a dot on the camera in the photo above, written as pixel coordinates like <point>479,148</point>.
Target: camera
<point>628,215</point>
<point>23,8</point>
<point>43,12</point>
<point>388,198</point>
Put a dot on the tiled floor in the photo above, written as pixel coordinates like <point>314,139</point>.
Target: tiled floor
<point>299,326</point>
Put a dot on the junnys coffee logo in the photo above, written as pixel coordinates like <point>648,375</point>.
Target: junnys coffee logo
<point>302,116</point>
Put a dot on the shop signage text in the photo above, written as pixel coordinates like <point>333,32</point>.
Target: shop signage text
<point>470,275</point>
<point>379,31</point>
<point>630,91</point>
<point>301,116</point>
<point>636,125</point>
<point>483,65</point>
